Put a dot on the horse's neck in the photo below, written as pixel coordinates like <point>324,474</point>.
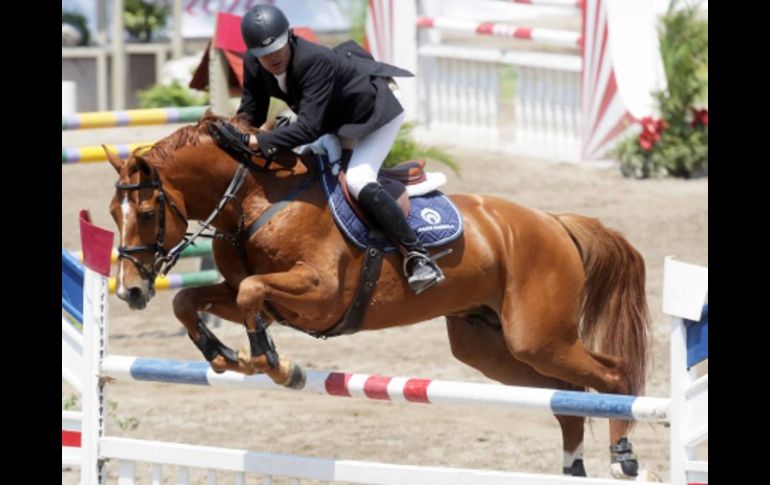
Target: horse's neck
<point>203,183</point>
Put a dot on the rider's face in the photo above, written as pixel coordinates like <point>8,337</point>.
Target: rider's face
<point>277,62</point>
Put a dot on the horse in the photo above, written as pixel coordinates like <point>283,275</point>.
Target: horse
<point>530,298</point>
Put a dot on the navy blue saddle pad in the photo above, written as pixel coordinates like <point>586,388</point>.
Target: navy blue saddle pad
<point>433,216</point>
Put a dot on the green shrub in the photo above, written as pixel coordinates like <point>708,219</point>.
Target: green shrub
<point>406,148</point>
<point>171,95</point>
<point>80,23</point>
<point>142,17</point>
<point>677,143</point>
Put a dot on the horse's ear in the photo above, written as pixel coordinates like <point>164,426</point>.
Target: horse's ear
<point>144,167</point>
<point>114,160</point>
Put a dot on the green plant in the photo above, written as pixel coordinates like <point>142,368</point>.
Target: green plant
<point>69,402</point>
<point>142,17</point>
<point>358,20</point>
<point>406,148</point>
<point>677,144</point>
<point>124,422</point>
<point>80,23</point>
<point>174,94</point>
<point>508,81</point>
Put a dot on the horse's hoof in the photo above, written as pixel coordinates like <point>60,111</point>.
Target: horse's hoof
<point>620,471</point>
<point>624,463</point>
<point>576,470</point>
<point>218,367</point>
<point>296,378</point>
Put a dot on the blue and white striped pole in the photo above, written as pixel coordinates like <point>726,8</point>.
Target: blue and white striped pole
<point>415,390</point>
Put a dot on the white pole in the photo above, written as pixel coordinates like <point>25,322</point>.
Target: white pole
<point>219,90</point>
<point>405,53</point>
<point>69,105</point>
<point>95,331</point>
<point>101,23</point>
<point>119,70</point>
<point>94,322</point>
<point>177,42</point>
<point>685,287</point>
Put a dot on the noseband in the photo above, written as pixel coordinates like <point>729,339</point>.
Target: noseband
<point>163,261</point>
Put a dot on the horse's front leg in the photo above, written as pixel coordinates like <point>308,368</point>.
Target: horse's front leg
<point>218,299</point>
<point>300,281</point>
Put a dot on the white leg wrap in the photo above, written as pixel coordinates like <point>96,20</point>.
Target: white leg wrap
<point>569,458</point>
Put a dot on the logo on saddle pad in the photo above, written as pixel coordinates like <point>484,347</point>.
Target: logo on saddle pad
<point>433,218</point>
<point>430,216</point>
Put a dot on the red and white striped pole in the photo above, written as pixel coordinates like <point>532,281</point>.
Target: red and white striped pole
<point>562,38</point>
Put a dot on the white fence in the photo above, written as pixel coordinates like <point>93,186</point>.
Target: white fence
<point>519,94</point>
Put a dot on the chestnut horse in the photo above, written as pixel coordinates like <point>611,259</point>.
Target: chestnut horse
<point>530,298</point>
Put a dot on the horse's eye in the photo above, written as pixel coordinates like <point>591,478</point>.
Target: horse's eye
<point>147,216</point>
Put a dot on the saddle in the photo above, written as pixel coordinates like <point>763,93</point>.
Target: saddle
<point>394,180</point>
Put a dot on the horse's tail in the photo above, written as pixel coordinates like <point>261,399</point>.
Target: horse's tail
<point>615,318</point>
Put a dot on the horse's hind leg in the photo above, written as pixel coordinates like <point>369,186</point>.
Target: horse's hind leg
<point>546,337</point>
<point>481,346</point>
<point>218,299</point>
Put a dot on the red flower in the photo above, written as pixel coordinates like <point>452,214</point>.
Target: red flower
<point>647,139</point>
<point>700,117</point>
<point>651,130</point>
<point>648,124</point>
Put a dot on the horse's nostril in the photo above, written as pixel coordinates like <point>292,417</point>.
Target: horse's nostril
<point>134,294</point>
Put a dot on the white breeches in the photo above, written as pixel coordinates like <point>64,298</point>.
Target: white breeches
<point>368,154</point>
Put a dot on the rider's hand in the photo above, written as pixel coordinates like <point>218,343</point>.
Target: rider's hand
<point>234,133</point>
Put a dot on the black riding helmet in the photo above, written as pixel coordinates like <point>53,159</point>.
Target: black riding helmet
<point>264,29</point>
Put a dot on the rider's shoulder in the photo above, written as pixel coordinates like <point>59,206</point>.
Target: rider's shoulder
<point>309,54</point>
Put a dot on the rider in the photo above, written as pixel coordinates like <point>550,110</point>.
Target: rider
<point>342,91</point>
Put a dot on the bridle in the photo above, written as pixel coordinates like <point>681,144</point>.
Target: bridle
<point>163,260</point>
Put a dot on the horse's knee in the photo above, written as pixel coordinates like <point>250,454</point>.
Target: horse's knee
<point>251,293</point>
<point>531,352</point>
<point>184,304</point>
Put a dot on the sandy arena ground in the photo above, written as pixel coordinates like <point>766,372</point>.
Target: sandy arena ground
<point>659,217</point>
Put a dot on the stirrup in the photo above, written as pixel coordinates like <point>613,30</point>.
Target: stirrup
<point>431,260</point>
<point>420,286</point>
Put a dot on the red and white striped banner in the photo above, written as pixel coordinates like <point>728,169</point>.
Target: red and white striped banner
<point>379,30</point>
<point>621,69</point>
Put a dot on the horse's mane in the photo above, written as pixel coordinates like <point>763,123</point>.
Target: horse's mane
<point>162,152</point>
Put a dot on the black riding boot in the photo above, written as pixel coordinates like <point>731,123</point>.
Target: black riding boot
<point>421,271</point>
